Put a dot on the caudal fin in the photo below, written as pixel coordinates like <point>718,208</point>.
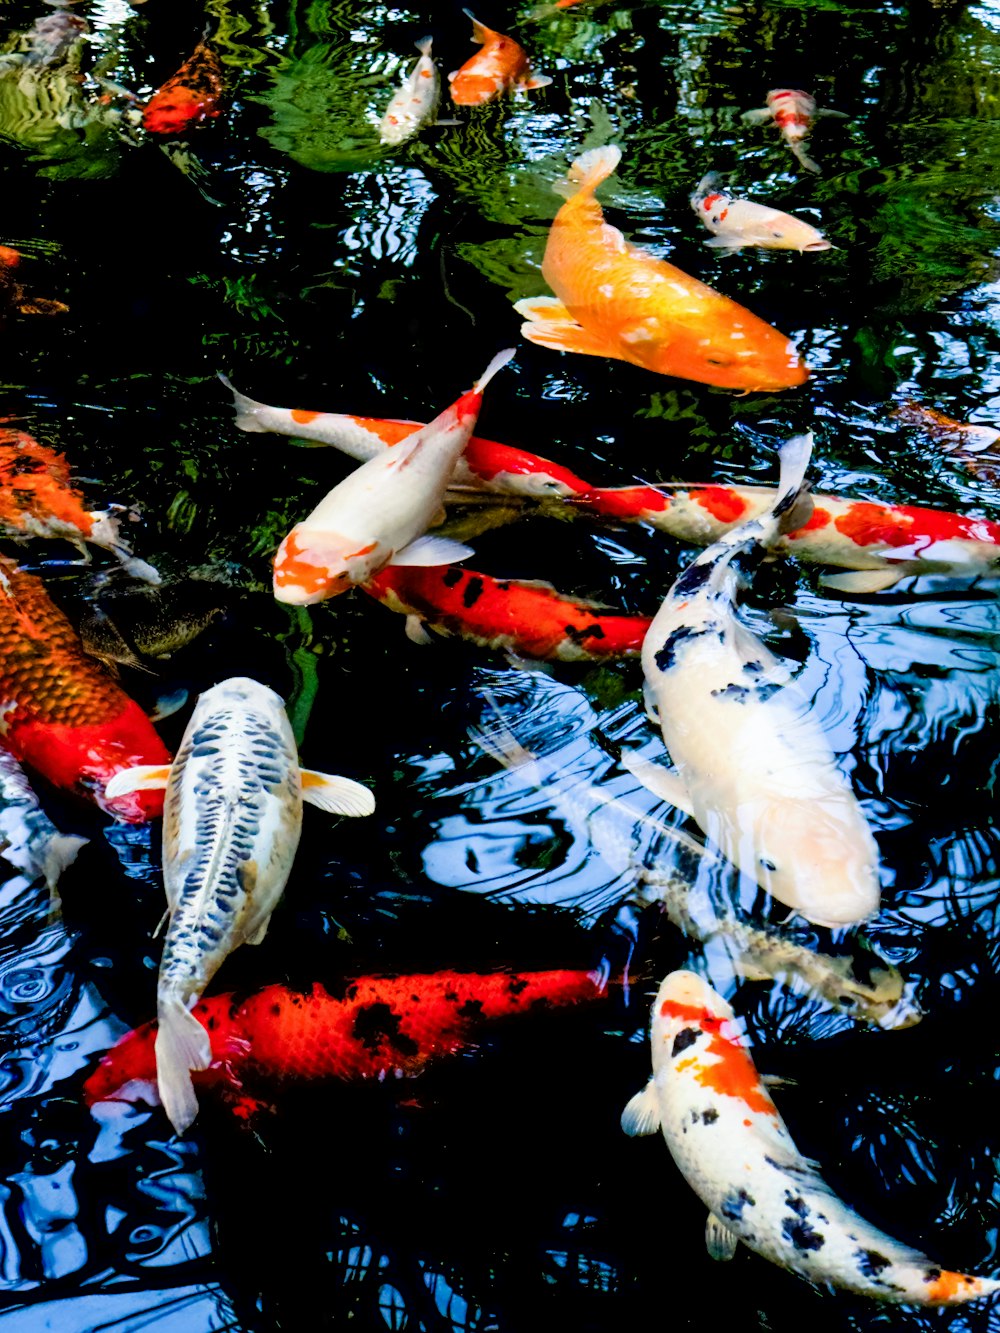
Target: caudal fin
<point>591,168</point>
<point>247,409</point>
<point>804,160</point>
<point>182,1044</point>
<point>424,45</point>
<point>480,32</point>
<point>498,363</point>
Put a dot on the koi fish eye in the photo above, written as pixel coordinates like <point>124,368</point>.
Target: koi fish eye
<point>765,864</point>
<point>719,360</point>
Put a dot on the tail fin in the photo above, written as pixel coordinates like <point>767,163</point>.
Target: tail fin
<point>480,32</point>
<point>247,409</point>
<point>788,510</point>
<point>60,852</point>
<point>424,45</point>
<point>591,168</point>
<point>182,1044</point>
<point>498,363</point>
<point>804,160</point>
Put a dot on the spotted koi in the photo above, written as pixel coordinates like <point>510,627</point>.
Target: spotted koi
<point>232,820</point>
<point>727,1138</point>
<point>366,1028</point>
<point>415,103</point>
<point>793,111</point>
<point>738,222</point>
<point>191,95</point>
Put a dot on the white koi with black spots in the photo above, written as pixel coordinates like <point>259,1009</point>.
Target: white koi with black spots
<point>753,766</point>
<point>734,1150</point>
<point>232,820</point>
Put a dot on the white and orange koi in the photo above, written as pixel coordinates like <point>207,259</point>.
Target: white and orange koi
<point>734,1150</point>
<point>793,111</point>
<point>738,222</point>
<point>486,465</point>
<point>752,765</point>
<point>379,514</point>
<point>231,827</point>
<point>615,300</point>
<point>415,103</point>
<point>501,66</point>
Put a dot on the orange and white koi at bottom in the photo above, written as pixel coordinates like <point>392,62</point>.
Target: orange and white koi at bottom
<point>728,1140</point>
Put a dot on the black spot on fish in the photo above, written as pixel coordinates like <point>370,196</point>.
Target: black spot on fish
<point>377,1023</point>
<point>200,751</point>
<point>585,632</point>
<point>709,1117</point>
<point>797,1206</point>
<point>453,576</point>
<point>693,578</point>
<point>504,586</point>
<point>871,1263</point>
<point>764,691</point>
<point>734,1204</point>
<point>516,985</point>
<point>667,655</point>
<point>473,591</point>
<point>753,668</point>
<point>450,996</point>
<point>685,1038</point>
<point>415,999</point>
<point>801,1234</point>
<point>275,1009</point>
<point>471,1009</point>
<point>738,693</point>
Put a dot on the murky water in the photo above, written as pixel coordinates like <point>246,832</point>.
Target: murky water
<point>498,1192</point>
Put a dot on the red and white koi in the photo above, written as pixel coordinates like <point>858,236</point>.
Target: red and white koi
<point>734,1150</point>
<point>379,514</point>
<point>415,103</point>
<point>486,465</point>
<point>501,66</point>
<point>738,222</point>
<point>528,618</point>
<point>232,820</point>
<point>793,111</point>
<point>752,765</point>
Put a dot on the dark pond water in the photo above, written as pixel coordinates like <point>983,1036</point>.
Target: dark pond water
<point>499,1192</point>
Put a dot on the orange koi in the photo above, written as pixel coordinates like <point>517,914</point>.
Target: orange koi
<point>501,66</point>
<point>62,714</point>
<point>615,300</point>
<point>191,95</point>
<point>13,296</point>
<point>531,619</point>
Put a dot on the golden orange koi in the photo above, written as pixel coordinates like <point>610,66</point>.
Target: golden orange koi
<point>501,66</point>
<point>615,300</point>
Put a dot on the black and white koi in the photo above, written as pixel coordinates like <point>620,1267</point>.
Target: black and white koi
<point>734,1150</point>
<point>232,820</point>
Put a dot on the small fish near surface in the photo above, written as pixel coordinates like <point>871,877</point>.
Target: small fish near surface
<point>368,1028</point>
<point>29,840</point>
<point>416,102</point>
<point>14,298</point>
<point>60,712</point>
<point>752,765</point>
<point>38,499</point>
<point>379,514</point>
<point>135,626</point>
<point>486,465</point>
<point>728,1140</point>
<point>232,821</point>
<point>793,111</point>
<point>879,543</point>
<point>615,300</point>
<point>501,66</point>
<point>188,97</point>
<point>973,443</point>
<point>48,41</point>
<point>738,222</point>
<point>528,618</point>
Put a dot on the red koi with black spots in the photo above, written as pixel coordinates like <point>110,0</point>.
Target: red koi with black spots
<point>60,712</point>
<point>531,619</point>
<point>372,1028</point>
<point>191,95</point>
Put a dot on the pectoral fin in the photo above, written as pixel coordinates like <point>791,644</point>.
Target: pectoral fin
<point>863,580</point>
<point>720,1242</point>
<point>642,1114</point>
<point>432,551</point>
<point>142,777</point>
<point>534,81</point>
<point>337,796</point>
<point>758,116</point>
<point>259,933</point>
<point>549,324</point>
<point>416,631</point>
<point>727,243</point>
<point>663,782</point>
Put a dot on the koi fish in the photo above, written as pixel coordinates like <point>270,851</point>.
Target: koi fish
<point>415,103</point>
<point>528,618</point>
<point>793,111</point>
<point>47,42</point>
<point>62,714</point>
<point>734,1150</point>
<point>738,222</point>
<point>13,295</point>
<point>615,300</point>
<point>752,766</point>
<point>501,66</point>
<point>486,465</point>
<point>384,507</point>
<point>191,95</point>
<point>232,821</point>
<point>38,499</point>
<point>958,437</point>
<point>879,543</point>
<point>370,1028</point>
<point>135,625</point>
<point>29,840</point>
<point>764,955</point>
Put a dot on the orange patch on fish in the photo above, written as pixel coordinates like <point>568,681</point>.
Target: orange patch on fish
<point>819,518</point>
<point>292,568</point>
<point>733,1073</point>
<point>303,415</point>
<point>948,1286</point>
<point>721,502</point>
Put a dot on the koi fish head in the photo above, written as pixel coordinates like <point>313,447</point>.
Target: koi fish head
<point>685,998</point>
<point>312,565</point>
<point>131,1061</point>
<point>241,692</point>
<point>740,352</point>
